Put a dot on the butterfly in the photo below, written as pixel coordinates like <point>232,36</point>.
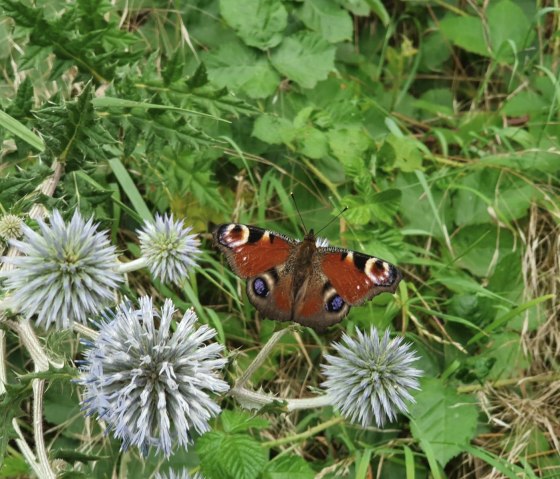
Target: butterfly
<point>292,280</point>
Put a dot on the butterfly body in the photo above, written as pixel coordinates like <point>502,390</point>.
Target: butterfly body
<point>291,280</point>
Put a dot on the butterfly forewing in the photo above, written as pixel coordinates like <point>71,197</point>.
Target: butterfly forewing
<point>358,277</point>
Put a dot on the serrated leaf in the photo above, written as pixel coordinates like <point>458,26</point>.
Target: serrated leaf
<point>273,130</point>
<point>304,58</point>
<point>239,421</point>
<point>443,419</point>
<point>288,467</point>
<point>239,68</point>
<point>327,18</point>
<point>259,23</point>
<point>230,456</point>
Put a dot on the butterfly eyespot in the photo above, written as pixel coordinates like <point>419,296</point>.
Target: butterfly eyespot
<point>260,287</point>
<point>334,304</point>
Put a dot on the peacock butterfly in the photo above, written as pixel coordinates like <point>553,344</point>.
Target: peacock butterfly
<point>301,281</point>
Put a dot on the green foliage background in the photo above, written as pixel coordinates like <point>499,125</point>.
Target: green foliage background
<point>435,122</point>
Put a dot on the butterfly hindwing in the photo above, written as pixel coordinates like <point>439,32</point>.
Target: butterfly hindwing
<point>272,295</point>
<point>318,305</point>
<point>357,277</point>
<point>251,251</point>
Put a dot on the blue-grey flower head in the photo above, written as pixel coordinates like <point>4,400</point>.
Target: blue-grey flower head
<point>182,474</point>
<point>370,378</point>
<point>151,384</point>
<point>10,227</point>
<point>66,273</point>
<point>168,248</point>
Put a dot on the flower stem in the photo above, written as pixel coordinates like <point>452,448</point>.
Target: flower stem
<point>133,265</point>
<point>261,357</point>
<point>304,435</point>
<point>85,331</point>
<point>249,399</point>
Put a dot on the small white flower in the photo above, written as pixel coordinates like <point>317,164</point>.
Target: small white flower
<point>66,273</point>
<point>168,248</point>
<point>10,227</point>
<point>370,378</point>
<point>150,384</point>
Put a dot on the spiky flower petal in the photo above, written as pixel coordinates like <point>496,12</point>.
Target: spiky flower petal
<point>150,384</point>
<point>67,272</point>
<point>182,474</point>
<point>10,227</point>
<point>168,248</point>
<point>370,378</point>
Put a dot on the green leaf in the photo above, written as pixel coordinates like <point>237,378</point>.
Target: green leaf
<point>507,22</point>
<point>443,420</point>
<point>480,246</point>
<point>273,130</point>
<point>304,58</point>
<point>239,68</point>
<point>21,131</point>
<point>230,456</point>
<point>259,23</point>
<point>465,32</point>
<point>128,186</point>
<point>349,145</point>
<point>327,18</point>
<point>239,421</point>
<point>401,153</point>
<point>288,467</point>
<point>312,142</point>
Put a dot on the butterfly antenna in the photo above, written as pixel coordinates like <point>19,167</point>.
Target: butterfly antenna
<point>298,212</point>
<point>340,213</point>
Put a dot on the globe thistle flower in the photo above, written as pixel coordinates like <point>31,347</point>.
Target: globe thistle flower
<point>183,474</point>
<point>370,377</point>
<point>67,272</point>
<point>10,227</point>
<point>150,384</point>
<point>168,248</point>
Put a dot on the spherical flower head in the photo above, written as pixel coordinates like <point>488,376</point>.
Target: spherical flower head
<point>182,474</point>
<point>150,384</point>
<point>10,227</point>
<point>168,248</point>
<point>67,272</point>
<point>370,378</point>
